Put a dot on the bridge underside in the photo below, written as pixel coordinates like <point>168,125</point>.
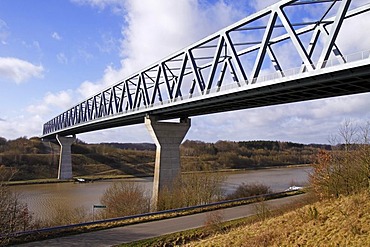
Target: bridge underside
<point>353,80</point>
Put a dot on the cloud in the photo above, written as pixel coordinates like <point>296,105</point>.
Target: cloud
<point>62,99</point>
<point>52,102</point>
<point>109,43</point>
<point>62,58</point>
<point>88,88</point>
<point>85,55</point>
<point>56,36</point>
<point>4,32</point>
<point>20,126</point>
<point>259,5</point>
<point>32,122</point>
<point>352,33</point>
<point>117,6</point>
<point>154,31</point>
<point>19,70</point>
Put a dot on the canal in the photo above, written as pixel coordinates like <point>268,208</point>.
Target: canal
<point>41,198</point>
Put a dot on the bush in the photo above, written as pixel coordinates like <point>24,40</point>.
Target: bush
<point>346,170</point>
<point>213,221</point>
<point>64,214</point>
<point>247,190</point>
<point>191,190</point>
<point>14,215</point>
<point>123,199</point>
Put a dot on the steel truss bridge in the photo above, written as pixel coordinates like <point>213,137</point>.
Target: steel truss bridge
<point>288,52</point>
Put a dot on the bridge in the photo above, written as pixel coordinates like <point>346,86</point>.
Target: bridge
<point>288,52</point>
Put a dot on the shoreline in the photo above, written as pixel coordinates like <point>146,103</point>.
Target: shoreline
<point>94,178</point>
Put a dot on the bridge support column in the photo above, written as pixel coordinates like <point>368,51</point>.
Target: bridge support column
<point>167,137</point>
<point>65,159</point>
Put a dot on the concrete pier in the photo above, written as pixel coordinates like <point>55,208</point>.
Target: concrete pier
<point>65,159</point>
<point>167,137</point>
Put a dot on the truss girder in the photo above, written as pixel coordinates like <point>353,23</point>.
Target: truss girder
<point>234,57</point>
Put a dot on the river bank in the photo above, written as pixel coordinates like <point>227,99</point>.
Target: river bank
<point>93,178</point>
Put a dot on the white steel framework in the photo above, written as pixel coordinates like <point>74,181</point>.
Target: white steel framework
<point>210,75</point>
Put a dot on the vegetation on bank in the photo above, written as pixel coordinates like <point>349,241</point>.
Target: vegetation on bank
<point>33,159</point>
<point>14,215</point>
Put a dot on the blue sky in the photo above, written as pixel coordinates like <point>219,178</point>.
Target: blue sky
<point>54,53</point>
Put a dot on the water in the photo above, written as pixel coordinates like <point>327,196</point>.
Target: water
<point>42,198</point>
<point>278,179</point>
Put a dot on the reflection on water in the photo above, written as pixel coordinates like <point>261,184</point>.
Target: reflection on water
<point>42,198</point>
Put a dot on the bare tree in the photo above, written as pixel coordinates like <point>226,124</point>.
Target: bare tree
<point>348,132</point>
<point>14,214</point>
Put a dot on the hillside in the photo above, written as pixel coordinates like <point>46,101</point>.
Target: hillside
<point>337,222</point>
<point>34,159</point>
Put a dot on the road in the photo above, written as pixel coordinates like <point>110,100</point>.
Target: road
<point>147,230</point>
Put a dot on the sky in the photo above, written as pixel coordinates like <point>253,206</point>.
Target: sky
<point>55,53</point>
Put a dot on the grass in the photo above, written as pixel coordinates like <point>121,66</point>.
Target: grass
<point>180,238</point>
<point>336,222</point>
<point>213,225</point>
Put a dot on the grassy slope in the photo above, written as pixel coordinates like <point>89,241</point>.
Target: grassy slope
<point>341,222</point>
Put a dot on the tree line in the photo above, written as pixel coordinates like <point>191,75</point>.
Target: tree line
<point>198,155</point>
<point>34,159</point>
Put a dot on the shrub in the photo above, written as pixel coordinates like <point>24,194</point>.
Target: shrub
<point>345,170</point>
<point>247,190</point>
<point>64,214</point>
<point>262,210</point>
<point>192,189</point>
<point>123,199</point>
<point>14,214</point>
<point>213,221</point>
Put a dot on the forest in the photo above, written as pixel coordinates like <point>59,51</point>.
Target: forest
<point>31,158</point>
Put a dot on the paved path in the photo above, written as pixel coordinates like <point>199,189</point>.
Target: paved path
<point>147,230</point>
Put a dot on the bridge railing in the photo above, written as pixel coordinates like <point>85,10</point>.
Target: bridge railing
<point>357,56</point>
